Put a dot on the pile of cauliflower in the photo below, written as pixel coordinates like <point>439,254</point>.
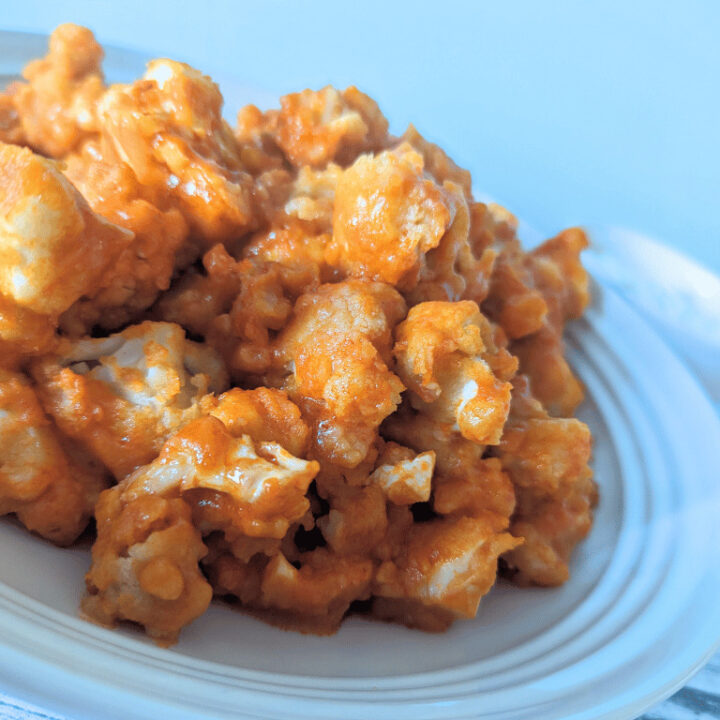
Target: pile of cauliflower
<point>291,363</point>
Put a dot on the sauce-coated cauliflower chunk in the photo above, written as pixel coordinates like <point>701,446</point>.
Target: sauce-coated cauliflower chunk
<point>311,199</point>
<point>316,596</point>
<point>388,215</point>
<point>123,395</point>
<point>57,106</point>
<point>455,269</point>
<point>447,563</point>
<point>48,484</point>
<point>315,127</point>
<point>145,565</point>
<point>404,476</point>
<point>547,460</point>
<point>10,126</point>
<point>357,520</point>
<point>266,414</point>
<point>560,276</point>
<point>563,282</point>
<point>145,560</point>
<point>53,247</point>
<point>464,482</point>
<point>336,350</point>
<point>437,162</point>
<point>439,353</point>
<point>145,267</point>
<point>168,128</point>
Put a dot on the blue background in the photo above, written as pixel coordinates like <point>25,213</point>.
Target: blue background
<point>566,112</point>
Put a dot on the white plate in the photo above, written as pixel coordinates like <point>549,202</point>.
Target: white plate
<point>638,617</point>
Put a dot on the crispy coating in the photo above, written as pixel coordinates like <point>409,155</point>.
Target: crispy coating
<point>316,127</point>
<point>168,128</point>
<point>145,567</point>
<point>439,352</point>
<point>404,476</point>
<point>336,347</point>
<point>315,596</point>
<point>56,108</point>
<point>388,215</point>
<point>266,414</point>
<point>53,247</point>
<point>11,130</point>
<point>49,485</point>
<point>454,270</point>
<point>372,408</point>
<point>547,460</point>
<point>121,396</point>
<point>145,267</point>
<point>448,563</point>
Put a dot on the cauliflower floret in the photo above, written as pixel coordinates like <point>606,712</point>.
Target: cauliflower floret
<point>266,414</point>
<point>123,395</point>
<point>168,128</point>
<point>11,130</point>
<point>145,565</point>
<point>145,560</point>
<point>334,352</point>
<point>553,382</point>
<point>312,198</point>
<point>237,306</point>
<point>439,352</point>
<point>448,563</point>
<point>404,476</point>
<point>53,248</point>
<point>550,528</point>
<point>437,163</point>
<point>256,133</point>
<point>196,300</point>
<point>316,596</point>
<point>452,271</point>
<point>293,244</point>
<point>266,482</point>
<point>547,460</point>
<point>146,265</point>
<point>49,485</point>
<point>513,301</point>
<point>57,106</point>
<point>315,127</point>
<point>560,276</point>
<point>482,490</point>
<point>357,520</point>
<point>388,215</point>
<point>563,282</point>
<point>464,482</point>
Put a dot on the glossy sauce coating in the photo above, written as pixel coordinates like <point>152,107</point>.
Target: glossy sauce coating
<point>291,363</point>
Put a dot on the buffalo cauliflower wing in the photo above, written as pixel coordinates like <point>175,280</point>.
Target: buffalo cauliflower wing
<point>55,110</point>
<point>121,396</point>
<point>46,482</point>
<point>145,560</point>
<point>439,353</point>
<point>53,247</point>
<point>323,378</point>
<point>336,349</point>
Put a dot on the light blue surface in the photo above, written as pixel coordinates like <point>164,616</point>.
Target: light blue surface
<point>566,112</point>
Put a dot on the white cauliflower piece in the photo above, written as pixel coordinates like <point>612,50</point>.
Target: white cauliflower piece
<point>52,491</point>
<point>440,353</point>
<point>53,248</point>
<point>145,560</point>
<point>404,476</point>
<point>122,396</point>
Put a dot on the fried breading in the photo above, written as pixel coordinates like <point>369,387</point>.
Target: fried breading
<point>324,378</point>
